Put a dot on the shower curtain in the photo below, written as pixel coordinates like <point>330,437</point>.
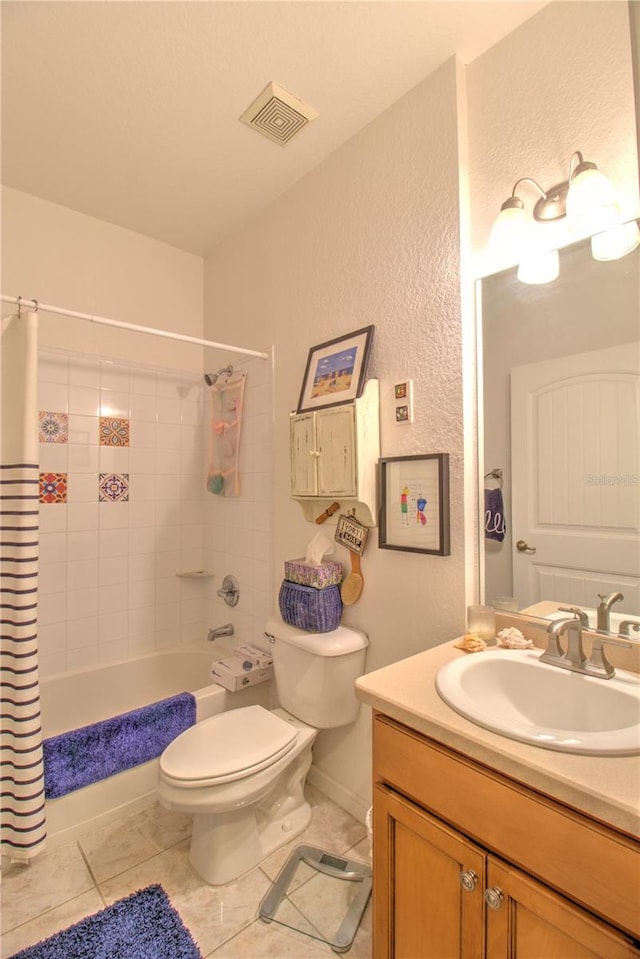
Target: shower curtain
<point>22,825</point>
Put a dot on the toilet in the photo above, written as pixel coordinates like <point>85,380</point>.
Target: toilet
<point>242,773</point>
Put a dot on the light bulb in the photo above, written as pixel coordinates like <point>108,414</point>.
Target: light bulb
<point>509,231</point>
<point>592,205</point>
<point>539,267</point>
<point>616,241</point>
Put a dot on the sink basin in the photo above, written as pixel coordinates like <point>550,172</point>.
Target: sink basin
<point>512,693</point>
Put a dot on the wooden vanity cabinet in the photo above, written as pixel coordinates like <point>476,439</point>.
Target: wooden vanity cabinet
<point>471,864</point>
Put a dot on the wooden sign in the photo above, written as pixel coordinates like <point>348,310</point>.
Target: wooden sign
<point>352,534</point>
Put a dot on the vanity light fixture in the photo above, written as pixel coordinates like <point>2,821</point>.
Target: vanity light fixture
<point>615,242</point>
<point>589,203</point>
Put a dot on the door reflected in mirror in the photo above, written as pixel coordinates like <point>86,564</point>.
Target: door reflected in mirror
<point>560,408</point>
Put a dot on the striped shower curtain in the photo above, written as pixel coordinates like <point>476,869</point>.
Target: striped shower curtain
<point>22,818</point>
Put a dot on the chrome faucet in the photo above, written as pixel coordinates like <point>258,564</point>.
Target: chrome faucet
<point>603,611</point>
<point>598,664</point>
<point>579,613</point>
<point>574,658</point>
<point>226,630</point>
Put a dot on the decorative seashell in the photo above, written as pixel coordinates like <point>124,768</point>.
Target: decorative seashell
<point>471,643</point>
<point>512,638</point>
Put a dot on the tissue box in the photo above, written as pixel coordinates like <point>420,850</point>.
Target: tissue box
<point>314,610</point>
<point>255,656</point>
<point>320,577</point>
<point>236,673</point>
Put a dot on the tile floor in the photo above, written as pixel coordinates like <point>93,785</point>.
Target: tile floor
<point>64,885</point>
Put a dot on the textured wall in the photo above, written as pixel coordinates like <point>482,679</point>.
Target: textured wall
<point>561,82</point>
<point>371,236</point>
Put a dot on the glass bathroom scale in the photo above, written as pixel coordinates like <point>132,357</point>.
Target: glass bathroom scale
<point>319,894</point>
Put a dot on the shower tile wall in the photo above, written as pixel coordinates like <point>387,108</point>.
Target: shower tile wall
<point>135,512</point>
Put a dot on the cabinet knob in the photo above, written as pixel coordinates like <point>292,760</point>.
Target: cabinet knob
<point>469,880</point>
<point>493,897</point>
<point>314,453</point>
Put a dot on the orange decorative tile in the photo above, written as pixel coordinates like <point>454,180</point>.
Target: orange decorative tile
<point>53,487</point>
<point>114,431</point>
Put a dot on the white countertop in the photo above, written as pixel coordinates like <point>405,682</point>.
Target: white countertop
<point>607,788</point>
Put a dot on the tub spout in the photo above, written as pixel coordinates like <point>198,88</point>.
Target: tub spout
<point>226,630</point>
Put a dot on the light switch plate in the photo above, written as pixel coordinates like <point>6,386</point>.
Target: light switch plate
<point>403,402</point>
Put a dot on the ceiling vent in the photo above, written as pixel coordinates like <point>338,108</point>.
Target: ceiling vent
<point>278,115</point>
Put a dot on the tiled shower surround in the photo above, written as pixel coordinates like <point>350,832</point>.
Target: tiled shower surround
<point>124,510</point>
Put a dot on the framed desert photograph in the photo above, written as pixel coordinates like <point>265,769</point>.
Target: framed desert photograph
<point>414,503</point>
<point>336,371</point>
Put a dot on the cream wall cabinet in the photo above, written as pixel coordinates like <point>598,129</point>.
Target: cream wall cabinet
<point>334,456</point>
<point>469,864</point>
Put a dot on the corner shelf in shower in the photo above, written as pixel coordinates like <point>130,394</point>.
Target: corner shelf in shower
<point>195,574</point>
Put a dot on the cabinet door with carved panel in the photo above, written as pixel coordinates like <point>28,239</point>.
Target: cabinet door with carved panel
<point>526,920</point>
<point>428,885</point>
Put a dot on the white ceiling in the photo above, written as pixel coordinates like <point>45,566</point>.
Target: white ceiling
<point>127,110</point>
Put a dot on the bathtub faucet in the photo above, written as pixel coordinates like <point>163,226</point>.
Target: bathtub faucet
<point>226,630</point>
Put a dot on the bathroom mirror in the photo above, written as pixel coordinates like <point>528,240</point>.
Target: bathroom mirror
<point>559,398</point>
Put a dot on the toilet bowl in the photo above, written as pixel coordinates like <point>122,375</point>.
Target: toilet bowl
<point>242,773</point>
<point>246,801</point>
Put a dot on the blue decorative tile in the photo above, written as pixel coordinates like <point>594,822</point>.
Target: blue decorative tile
<point>54,427</point>
<point>113,488</point>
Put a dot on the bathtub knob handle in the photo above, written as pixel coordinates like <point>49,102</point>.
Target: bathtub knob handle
<point>270,637</point>
<point>230,591</point>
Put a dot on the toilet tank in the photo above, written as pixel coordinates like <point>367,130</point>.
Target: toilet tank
<point>315,672</point>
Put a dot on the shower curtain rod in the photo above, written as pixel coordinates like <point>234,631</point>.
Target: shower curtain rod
<point>21,303</point>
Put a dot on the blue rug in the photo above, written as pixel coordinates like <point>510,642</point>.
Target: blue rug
<point>143,926</point>
<point>83,756</point>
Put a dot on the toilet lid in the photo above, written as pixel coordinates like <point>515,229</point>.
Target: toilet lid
<point>228,746</point>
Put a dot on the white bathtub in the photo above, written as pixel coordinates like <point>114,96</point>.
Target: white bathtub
<point>87,696</point>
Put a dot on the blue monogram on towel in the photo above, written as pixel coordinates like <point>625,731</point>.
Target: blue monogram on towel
<point>494,524</point>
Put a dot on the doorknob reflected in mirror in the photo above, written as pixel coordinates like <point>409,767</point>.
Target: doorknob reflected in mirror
<point>523,547</point>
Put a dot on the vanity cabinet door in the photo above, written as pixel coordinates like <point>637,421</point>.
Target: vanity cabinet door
<point>422,908</point>
<point>529,921</point>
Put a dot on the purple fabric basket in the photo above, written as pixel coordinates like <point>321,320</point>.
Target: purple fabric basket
<point>314,610</point>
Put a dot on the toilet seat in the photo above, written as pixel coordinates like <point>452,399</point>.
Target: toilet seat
<point>227,747</point>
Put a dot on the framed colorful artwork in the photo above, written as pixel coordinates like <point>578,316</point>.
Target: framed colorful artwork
<point>414,503</point>
<point>336,371</point>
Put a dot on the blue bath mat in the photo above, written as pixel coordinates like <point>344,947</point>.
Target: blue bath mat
<point>143,926</point>
<point>83,756</point>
